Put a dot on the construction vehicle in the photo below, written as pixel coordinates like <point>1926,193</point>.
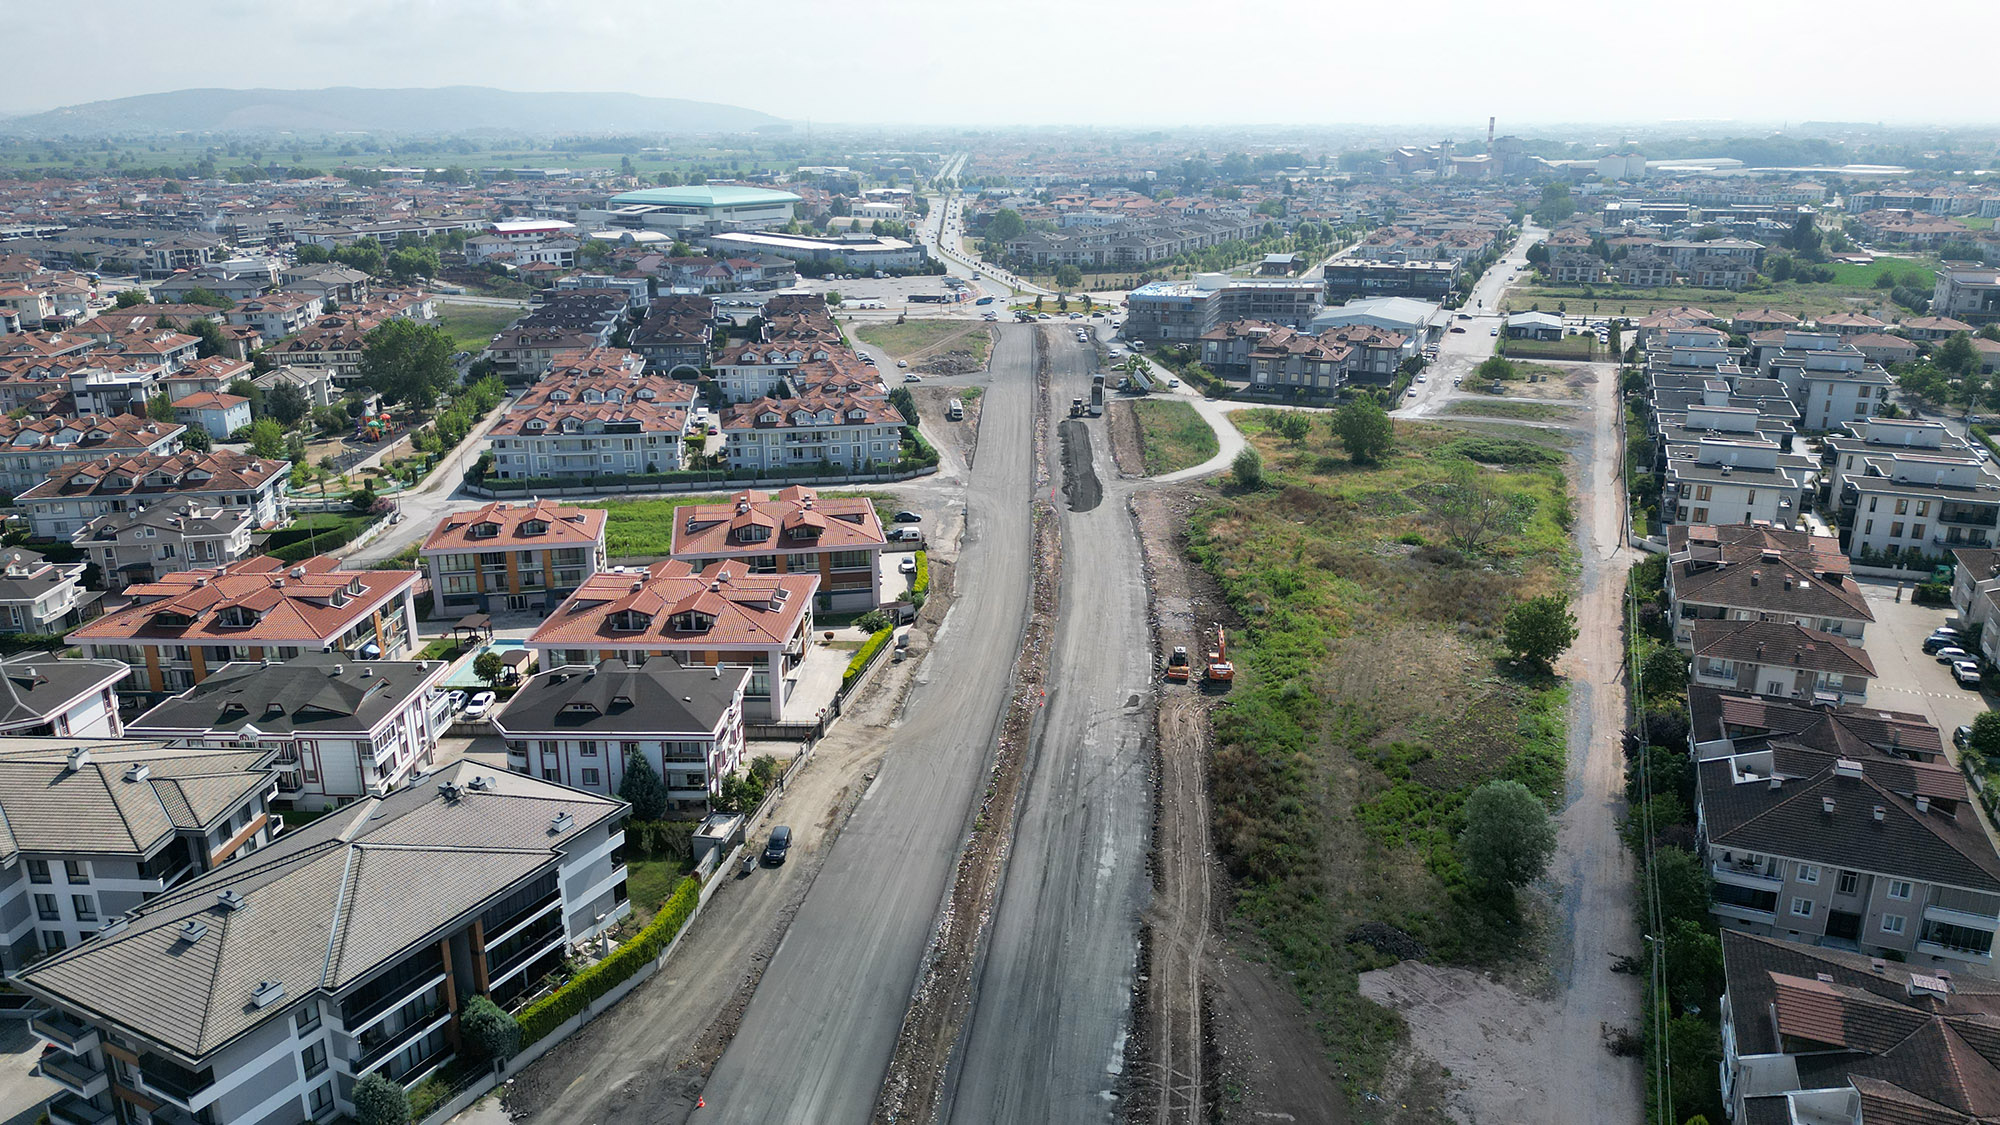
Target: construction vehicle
<point>1178,665</point>
<point>1076,408</point>
<point>1220,670</point>
<point>1097,394</point>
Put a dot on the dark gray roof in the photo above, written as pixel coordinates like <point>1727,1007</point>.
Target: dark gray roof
<point>26,575</point>
<point>660,699</point>
<point>49,808</point>
<point>326,906</point>
<point>35,686</point>
<point>314,693</point>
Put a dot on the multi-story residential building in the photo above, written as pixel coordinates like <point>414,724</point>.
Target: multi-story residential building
<point>1777,658</point>
<point>1183,310</point>
<point>1575,267</point>
<point>139,545</point>
<point>315,383</point>
<point>1842,827</point>
<point>32,449</point>
<point>97,829</point>
<point>1824,1035</point>
<point>345,948</point>
<point>748,372</point>
<point>676,333</point>
<point>1911,488</point>
<point>1934,328</point>
<point>582,725</point>
<point>1733,481</point>
<point>81,491</point>
<point>342,728</point>
<point>593,422</point>
<point>182,626</point>
<point>724,616</point>
<point>847,431</point>
<point>42,695</point>
<point>792,531</point>
<point>1830,380</point>
<point>1361,277</point>
<point>217,412</point>
<point>512,556</point>
<point>1967,293</point>
<point>1975,593</point>
<point>280,314</point>
<point>1743,572</point>
<point>38,596</point>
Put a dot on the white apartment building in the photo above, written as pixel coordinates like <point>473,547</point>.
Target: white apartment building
<point>1733,481</point>
<point>846,431</point>
<point>136,547</point>
<point>1828,379</point>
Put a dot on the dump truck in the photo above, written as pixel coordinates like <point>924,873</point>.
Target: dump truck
<point>1220,670</point>
<point>1178,665</point>
<point>1076,408</point>
<point>1097,394</point>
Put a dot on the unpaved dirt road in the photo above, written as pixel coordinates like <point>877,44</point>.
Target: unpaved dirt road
<point>1522,1058</point>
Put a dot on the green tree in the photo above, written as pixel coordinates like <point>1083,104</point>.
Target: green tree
<point>1694,963</point>
<point>489,667</point>
<point>1294,426</point>
<point>1683,885</point>
<point>1038,302</point>
<point>1664,671</point>
<point>312,253</point>
<point>1068,277</point>
<point>408,362</point>
<point>643,788</point>
<point>209,298</point>
<point>1495,369</point>
<point>1539,629</point>
<point>1005,224</point>
<point>209,335</point>
<point>1956,356</point>
<point>1471,509</point>
<point>1988,332</point>
<point>1508,836</point>
<point>130,297</point>
<point>1365,429</point>
<point>267,438</point>
<point>378,1101</point>
<point>287,403</point>
<point>1985,737</point>
<point>197,439</point>
<point>364,255</point>
<point>491,1032</point>
<point>414,262</point>
<point>1555,206</point>
<point>1247,469</point>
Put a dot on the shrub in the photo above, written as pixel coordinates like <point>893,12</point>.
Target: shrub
<point>569,1001</point>
<point>490,1032</point>
<point>874,621</point>
<point>864,656</point>
<point>1247,469</point>
<point>379,1101</point>
<point>921,585</point>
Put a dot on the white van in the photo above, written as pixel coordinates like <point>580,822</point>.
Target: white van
<point>906,535</point>
<point>954,410</point>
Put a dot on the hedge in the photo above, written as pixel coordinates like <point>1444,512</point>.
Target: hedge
<point>922,584</point>
<point>863,656</point>
<point>537,1020</point>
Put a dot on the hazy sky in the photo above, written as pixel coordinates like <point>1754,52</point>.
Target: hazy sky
<point>1109,62</point>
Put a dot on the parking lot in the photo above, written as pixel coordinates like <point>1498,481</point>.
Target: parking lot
<point>1906,678</point>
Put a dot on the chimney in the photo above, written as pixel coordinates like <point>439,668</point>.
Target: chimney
<point>1826,805</point>
<point>1880,812</point>
<point>1777,782</point>
<point>1880,966</point>
<point>1923,803</point>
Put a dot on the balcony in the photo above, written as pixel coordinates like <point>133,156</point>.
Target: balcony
<point>76,1075</point>
<point>383,1049</point>
<point>389,1000</point>
<point>533,945</point>
<point>1754,877</point>
<point>68,1109</point>
<point>53,1027</point>
<point>173,1084</point>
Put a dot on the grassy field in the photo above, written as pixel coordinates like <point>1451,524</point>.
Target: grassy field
<point>471,327</point>
<point>1176,437</point>
<point>1518,411</point>
<point>645,528</point>
<point>1569,347</point>
<point>1853,288</point>
<point>915,337</point>
<point>648,882</point>
<point>1371,697</point>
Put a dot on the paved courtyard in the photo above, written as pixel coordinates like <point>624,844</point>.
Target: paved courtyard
<point>1907,679</point>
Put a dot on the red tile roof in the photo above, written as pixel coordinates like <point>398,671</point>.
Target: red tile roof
<point>565,526</point>
<point>748,610</point>
<point>311,603</point>
<point>187,471</point>
<point>798,519</point>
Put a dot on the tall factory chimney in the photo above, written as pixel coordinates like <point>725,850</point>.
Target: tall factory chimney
<point>1489,136</point>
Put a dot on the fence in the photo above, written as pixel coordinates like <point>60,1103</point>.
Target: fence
<point>704,482</point>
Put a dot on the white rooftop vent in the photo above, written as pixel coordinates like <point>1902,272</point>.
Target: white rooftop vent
<point>1847,767</point>
<point>138,772</point>
<point>480,783</point>
<point>1826,804</point>
<point>267,993</point>
<point>230,900</point>
<point>193,930</point>
<point>78,758</point>
<point>1923,803</point>
<point>1880,813</point>
<point>562,823</point>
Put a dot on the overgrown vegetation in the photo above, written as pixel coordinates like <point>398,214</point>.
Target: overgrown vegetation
<point>1175,436</point>
<point>1340,790</point>
<point>552,1011</point>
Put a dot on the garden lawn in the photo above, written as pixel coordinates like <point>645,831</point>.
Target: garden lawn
<point>648,882</point>
<point>1176,436</point>
<point>472,327</point>
<point>1371,697</point>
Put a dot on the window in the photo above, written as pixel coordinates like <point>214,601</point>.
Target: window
<point>77,870</point>
<point>587,748</point>
<point>1803,907</point>
<point>46,908</point>
<point>1751,497</point>
<point>53,940</point>
<point>1871,502</point>
<point>1903,506</point>
<point>307,1018</point>
<point>1917,532</point>
<point>1899,888</point>
<point>322,1099</point>
<point>550,773</point>
<point>1892,923</point>
<point>1868,528</point>
<point>1849,882</point>
<point>1923,507</point>
<point>589,776</point>
<point>86,907</point>
<point>1808,873</point>
<point>1896,530</point>
<point>1703,492</point>
<point>38,871</point>
<point>314,1059</point>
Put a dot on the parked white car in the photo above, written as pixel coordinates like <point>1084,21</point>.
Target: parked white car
<point>480,705</point>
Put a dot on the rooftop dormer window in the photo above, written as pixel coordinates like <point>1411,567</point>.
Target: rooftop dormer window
<point>691,622</point>
<point>485,530</point>
<point>630,621</point>
<point>753,533</point>
<point>534,527</point>
<point>237,617</point>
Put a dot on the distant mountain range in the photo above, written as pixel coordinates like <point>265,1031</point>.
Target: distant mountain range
<point>451,109</point>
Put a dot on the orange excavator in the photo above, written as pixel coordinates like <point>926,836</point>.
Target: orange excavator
<point>1220,670</point>
<point>1178,665</point>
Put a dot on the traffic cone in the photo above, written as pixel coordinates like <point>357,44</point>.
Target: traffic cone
<point>700,1103</point>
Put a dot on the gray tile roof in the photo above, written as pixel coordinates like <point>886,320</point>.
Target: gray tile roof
<point>34,685</point>
<point>317,693</point>
<point>327,906</point>
<point>52,809</point>
<point>660,699</point>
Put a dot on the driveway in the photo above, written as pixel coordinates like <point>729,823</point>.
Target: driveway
<point>22,1092</point>
<point>1906,679</point>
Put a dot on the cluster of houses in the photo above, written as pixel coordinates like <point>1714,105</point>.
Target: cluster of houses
<point>1857,888</point>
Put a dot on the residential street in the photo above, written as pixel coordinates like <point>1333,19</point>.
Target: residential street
<point>1046,1037</point>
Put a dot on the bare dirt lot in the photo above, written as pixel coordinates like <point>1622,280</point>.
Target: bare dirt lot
<point>1216,1036</point>
<point>1127,445</point>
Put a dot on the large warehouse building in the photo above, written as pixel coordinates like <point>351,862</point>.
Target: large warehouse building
<point>694,210</point>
